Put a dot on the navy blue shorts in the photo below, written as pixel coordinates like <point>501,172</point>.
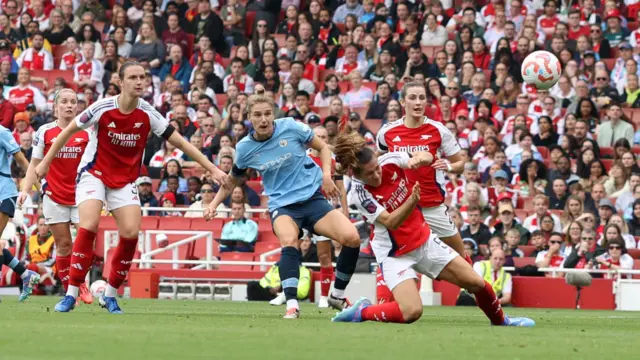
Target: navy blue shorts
<point>305,213</point>
<point>8,206</point>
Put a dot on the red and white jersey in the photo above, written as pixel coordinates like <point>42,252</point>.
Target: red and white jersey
<point>60,182</point>
<point>389,196</point>
<point>556,260</point>
<point>116,149</point>
<point>431,136</point>
<point>35,60</point>
<point>245,84</point>
<point>20,97</point>
<point>70,59</point>
<point>548,23</point>
<point>91,70</point>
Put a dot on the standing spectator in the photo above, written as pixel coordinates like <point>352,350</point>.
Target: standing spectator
<point>244,231</point>
<point>92,6</point>
<point>148,50</point>
<point>88,74</point>
<point>350,7</point>
<point>175,35</point>
<point>209,23</point>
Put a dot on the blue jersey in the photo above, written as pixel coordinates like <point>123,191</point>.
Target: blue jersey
<point>288,174</point>
<point>8,147</point>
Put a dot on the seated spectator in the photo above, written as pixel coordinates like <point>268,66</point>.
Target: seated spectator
<point>242,230</point>
<point>356,124</point>
<point>308,251</point>
<point>24,93</point>
<point>617,220</point>
<point>574,207</point>
<point>473,196</point>
<point>634,221</point>
<point>243,81</point>
<point>168,200</point>
<point>350,62</point>
<point>89,72</point>
<point>474,228</point>
<point>378,107</point>
<point>594,173</point>
<point>526,144</point>
<point>616,128</point>
<point>207,194</point>
<point>148,49</point>
<point>162,157</point>
<point>471,249</point>
<point>616,257</point>
<point>585,252</point>
<point>618,183</point>
<point>532,178</point>
<point>541,208</point>
<point>512,238</point>
<point>145,193</point>
<point>194,184</point>
<point>40,250</point>
<point>626,199</point>
<point>178,66</point>
<point>270,287</point>
<point>506,217</point>
<point>173,168</point>
<point>359,96</point>
<point>559,194</point>
<point>36,57</point>
<point>497,243</point>
<point>492,271</point>
<point>553,256</point>
<point>21,124</point>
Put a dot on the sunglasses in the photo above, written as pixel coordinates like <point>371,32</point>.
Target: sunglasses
<point>588,238</point>
<point>205,191</point>
<point>555,242</point>
<point>601,79</point>
<point>595,31</point>
<point>615,247</point>
<point>589,220</point>
<point>452,88</point>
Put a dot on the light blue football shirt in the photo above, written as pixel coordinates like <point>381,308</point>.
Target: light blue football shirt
<point>288,174</point>
<point>8,147</point>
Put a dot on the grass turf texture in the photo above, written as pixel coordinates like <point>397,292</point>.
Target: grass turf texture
<point>168,329</point>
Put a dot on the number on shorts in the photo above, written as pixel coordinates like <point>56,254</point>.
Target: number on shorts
<point>446,212</point>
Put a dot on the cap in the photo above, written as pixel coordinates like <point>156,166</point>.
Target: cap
<point>354,115</point>
<point>462,112</point>
<point>589,53</point>
<point>169,196</point>
<point>505,195</point>
<point>470,241</point>
<point>333,119</point>
<point>625,46</point>
<point>385,50</point>
<point>606,203</point>
<point>4,45</point>
<point>500,174</point>
<point>144,180</point>
<point>21,116</point>
<point>313,119</point>
<point>470,166</point>
<point>31,107</point>
<point>505,207</point>
<point>612,13</point>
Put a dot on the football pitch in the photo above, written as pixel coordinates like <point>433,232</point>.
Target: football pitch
<point>174,329</point>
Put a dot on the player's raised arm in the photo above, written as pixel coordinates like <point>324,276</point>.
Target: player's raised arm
<point>224,191</point>
<point>328,186</point>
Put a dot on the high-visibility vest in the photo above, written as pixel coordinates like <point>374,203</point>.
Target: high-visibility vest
<point>487,274</point>
<point>40,253</point>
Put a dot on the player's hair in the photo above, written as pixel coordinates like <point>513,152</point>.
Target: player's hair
<point>56,97</point>
<point>125,66</point>
<point>258,99</point>
<point>351,152</point>
<point>409,85</point>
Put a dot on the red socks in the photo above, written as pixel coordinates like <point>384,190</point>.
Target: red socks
<point>387,312</point>
<point>383,293</point>
<point>326,275</point>
<point>33,267</point>
<point>81,256</point>
<point>62,264</point>
<point>488,302</point>
<point>121,262</point>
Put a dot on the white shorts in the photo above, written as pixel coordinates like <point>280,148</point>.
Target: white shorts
<point>92,188</point>
<point>439,220</point>
<point>55,213</point>
<point>429,259</point>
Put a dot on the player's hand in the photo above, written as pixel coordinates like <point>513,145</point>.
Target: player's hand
<point>421,159</point>
<point>210,212</point>
<point>415,192</point>
<point>442,164</point>
<point>22,197</point>
<point>41,170</point>
<point>329,187</point>
<point>221,178</point>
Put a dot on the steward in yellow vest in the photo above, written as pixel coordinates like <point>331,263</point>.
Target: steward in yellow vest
<point>40,246</point>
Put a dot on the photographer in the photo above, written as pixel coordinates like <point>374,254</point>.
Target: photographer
<point>584,252</point>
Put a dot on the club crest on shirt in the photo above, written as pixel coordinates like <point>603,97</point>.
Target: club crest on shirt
<point>84,118</point>
<point>283,143</point>
<point>369,206</point>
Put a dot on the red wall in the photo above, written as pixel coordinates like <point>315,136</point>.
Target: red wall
<point>543,292</point>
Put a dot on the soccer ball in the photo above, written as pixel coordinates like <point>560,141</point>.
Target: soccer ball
<point>541,69</point>
<point>97,288</point>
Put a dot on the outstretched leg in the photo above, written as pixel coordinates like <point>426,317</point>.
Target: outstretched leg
<point>287,232</point>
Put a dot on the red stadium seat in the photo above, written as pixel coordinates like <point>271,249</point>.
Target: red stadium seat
<point>221,100</point>
<point>249,18</point>
<point>544,152</point>
<point>527,249</point>
<point>149,223</point>
<point>268,236</point>
<point>606,152</point>
<point>634,253</point>
<point>175,223</point>
<point>610,63</point>
<point>263,247</point>
<point>636,266</point>
<point>67,75</point>
<point>236,256</point>
<point>264,224</point>
<point>373,125</point>
<point>523,261</point>
<point>607,163</point>
<point>256,186</point>
<point>190,41</point>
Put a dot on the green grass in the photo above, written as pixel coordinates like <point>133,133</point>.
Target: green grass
<point>165,329</point>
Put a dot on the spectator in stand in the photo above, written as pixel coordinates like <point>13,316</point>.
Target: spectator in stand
<point>553,257</point>
<point>546,135</point>
<point>40,250</point>
<point>59,31</point>
<point>614,32</point>
<point>541,208</point>
<point>506,217</point>
<point>616,128</point>
<point>148,50</point>
<point>617,228</point>
<point>603,94</point>
<point>174,34</point>
<point>244,231</point>
<point>474,228</point>
<point>473,96</point>
<point>492,271</point>
<point>471,249</point>
<point>634,222</point>
<point>147,199</point>
<point>574,207</point>
<point>532,178</point>
<point>169,200</point>
<point>331,90</point>
<point>616,257</point>
<point>583,253</point>
<point>350,7</point>
<point>559,194</point>
<point>173,168</point>
<point>89,73</point>
<point>27,42</point>
<point>618,182</point>
<point>206,193</point>
<point>356,124</point>
<point>8,32</point>
<point>359,96</point>
<point>177,66</point>
<point>92,6</point>
<point>378,107</point>
<point>434,34</point>
<point>624,201</point>
<point>88,33</point>
<point>512,239</point>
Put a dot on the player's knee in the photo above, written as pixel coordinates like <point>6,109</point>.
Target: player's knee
<point>349,238</point>
<point>474,284</point>
<point>63,247</point>
<point>289,241</point>
<point>324,259</point>
<point>128,233</point>
<point>90,224</point>
<point>412,313</point>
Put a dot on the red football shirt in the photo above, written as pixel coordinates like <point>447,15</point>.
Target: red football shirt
<point>60,182</point>
<point>431,136</point>
<point>115,153</point>
<point>389,196</point>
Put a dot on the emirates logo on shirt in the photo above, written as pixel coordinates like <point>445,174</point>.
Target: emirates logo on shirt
<point>124,140</point>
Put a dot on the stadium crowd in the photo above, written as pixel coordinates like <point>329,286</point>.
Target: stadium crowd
<point>552,174</point>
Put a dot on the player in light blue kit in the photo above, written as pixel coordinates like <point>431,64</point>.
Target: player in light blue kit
<point>8,194</point>
<point>295,186</point>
